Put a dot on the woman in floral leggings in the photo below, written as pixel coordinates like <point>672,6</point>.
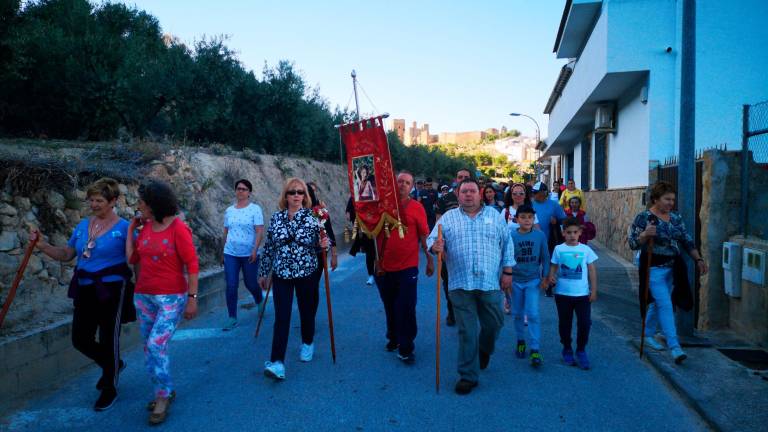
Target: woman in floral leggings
<point>161,252</point>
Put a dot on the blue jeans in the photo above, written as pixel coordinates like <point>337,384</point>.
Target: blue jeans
<point>232,267</point>
<point>525,301</point>
<point>660,310</point>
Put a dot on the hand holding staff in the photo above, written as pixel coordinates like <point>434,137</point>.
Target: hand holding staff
<point>439,242</point>
<point>17,279</point>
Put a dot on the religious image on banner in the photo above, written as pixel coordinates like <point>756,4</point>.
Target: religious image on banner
<point>364,178</point>
<point>371,177</point>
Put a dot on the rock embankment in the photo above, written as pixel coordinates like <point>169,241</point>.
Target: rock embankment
<point>53,198</point>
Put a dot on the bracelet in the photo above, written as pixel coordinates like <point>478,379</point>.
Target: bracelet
<point>194,296</point>
<point>508,274</point>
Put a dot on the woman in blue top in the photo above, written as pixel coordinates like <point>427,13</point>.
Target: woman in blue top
<point>100,287</point>
<point>243,231</point>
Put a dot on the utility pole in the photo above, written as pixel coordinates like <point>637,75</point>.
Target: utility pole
<point>686,179</point>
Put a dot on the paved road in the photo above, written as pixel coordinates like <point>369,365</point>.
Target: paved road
<point>221,386</point>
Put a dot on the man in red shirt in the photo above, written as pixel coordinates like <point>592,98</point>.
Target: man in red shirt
<point>400,262</point>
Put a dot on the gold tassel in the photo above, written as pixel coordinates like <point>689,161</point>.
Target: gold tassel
<point>354,230</point>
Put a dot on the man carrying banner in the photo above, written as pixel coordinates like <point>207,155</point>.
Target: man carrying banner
<point>450,201</point>
<point>399,260</point>
<point>479,256</point>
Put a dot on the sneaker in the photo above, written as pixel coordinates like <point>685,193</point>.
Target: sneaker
<point>391,346</point>
<point>450,320</point>
<point>653,343</point>
<point>101,383</point>
<point>369,281</point>
<point>106,399</point>
<point>582,360</point>
<point>678,355</point>
<point>408,359</point>
<point>568,357</point>
<point>536,359</point>
<point>464,387</point>
<point>485,358</point>
<point>307,352</point>
<point>231,324</point>
<point>520,353</point>
<point>274,370</point>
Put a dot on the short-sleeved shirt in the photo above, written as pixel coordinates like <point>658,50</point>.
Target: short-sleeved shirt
<point>240,223</point>
<point>510,214</point>
<point>162,257</point>
<point>109,250</point>
<point>572,271</point>
<point>544,211</point>
<point>403,253</point>
<point>449,201</point>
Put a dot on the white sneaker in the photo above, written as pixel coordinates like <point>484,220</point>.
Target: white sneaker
<point>274,370</point>
<point>369,281</point>
<point>307,351</point>
<point>678,355</point>
<point>653,343</point>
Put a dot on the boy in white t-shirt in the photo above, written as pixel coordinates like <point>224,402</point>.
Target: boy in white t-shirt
<point>575,290</point>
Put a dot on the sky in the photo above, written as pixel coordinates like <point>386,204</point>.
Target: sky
<point>456,65</point>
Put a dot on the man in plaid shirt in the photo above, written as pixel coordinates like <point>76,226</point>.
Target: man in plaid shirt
<point>480,258</point>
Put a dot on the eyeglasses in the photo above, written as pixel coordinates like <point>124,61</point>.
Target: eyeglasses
<point>294,192</point>
<point>242,190</point>
<point>518,193</point>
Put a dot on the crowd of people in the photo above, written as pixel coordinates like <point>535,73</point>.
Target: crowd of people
<point>500,245</point>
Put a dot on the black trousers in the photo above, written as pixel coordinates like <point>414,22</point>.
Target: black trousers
<point>307,297</point>
<point>444,276</point>
<point>398,293</point>
<point>103,315</point>
<point>566,306</point>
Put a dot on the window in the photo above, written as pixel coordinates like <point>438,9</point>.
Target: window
<point>601,161</point>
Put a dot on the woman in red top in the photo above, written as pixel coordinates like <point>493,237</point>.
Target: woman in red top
<point>588,228</point>
<point>160,253</point>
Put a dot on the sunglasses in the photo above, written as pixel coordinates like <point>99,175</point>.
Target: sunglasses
<point>294,192</point>
<point>518,193</point>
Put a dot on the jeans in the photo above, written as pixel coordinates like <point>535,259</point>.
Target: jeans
<point>398,293</point>
<point>525,301</point>
<point>159,315</point>
<point>471,307</point>
<point>307,299</point>
<point>660,311</point>
<point>232,267</point>
<point>566,306</point>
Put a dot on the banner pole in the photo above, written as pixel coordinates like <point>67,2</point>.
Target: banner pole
<point>354,87</point>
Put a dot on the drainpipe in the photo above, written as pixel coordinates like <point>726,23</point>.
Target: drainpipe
<point>686,183</point>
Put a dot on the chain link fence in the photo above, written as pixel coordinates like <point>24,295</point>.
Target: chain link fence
<point>754,155</point>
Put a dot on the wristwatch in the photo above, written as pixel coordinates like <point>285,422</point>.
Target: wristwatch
<point>194,296</point>
<point>507,273</point>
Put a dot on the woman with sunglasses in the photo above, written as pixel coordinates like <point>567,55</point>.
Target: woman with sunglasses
<point>243,231</point>
<point>100,287</point>
<point>288,261</point>
<point>516,196</point>
<point>166,262</point>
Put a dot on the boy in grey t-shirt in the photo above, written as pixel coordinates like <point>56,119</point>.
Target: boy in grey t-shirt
<point>532,256</point>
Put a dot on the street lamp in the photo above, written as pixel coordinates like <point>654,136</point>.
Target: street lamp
<point>538,138</point>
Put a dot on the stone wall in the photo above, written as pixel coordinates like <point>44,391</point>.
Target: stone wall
<point>748,314</point>
<point>203,183</point>
<point>612,212</point>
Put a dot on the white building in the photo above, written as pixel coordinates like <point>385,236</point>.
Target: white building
<point>615,108</point>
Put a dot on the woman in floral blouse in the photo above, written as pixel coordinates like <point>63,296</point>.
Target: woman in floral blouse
<point>669,285</point>
<point>289,259</point>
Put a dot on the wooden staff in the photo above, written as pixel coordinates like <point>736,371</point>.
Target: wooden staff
<point>646,288</point>
<point>328,300</point>
<point>17,279</point>
<point>264,308</point>
<point>437,322</point>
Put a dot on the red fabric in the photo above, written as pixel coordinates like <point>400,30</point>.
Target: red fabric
<point>367,138</point>
<point>588,230</point>
<point>400,254</point>
<point>162,257</point>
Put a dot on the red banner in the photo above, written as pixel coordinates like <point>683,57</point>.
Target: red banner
<point>371,177</point>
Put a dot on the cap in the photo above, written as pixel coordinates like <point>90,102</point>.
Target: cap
<point>444,187</point>
<point>540,187</point>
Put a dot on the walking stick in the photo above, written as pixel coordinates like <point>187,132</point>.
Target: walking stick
<point>437,322</point>
<point>646,288</point>
<point>264,308</point>
<point>17,279</point>
<point>328,302</point>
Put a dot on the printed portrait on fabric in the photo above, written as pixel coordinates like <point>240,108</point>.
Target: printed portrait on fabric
<point>364,178</point>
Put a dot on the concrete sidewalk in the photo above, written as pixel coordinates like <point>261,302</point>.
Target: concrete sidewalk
<point>728,395</point>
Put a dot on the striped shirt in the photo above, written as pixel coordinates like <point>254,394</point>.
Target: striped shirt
<point>476,248</point>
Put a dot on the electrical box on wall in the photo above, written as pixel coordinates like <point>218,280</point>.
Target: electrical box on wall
<point>732,269</point>
<point>753,266</point>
